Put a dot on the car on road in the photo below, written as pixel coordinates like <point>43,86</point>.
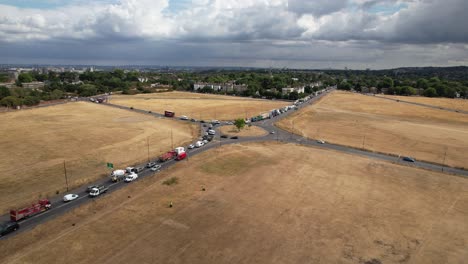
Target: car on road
<point>89,188</point>
<point>199,144</point>
<point>70,197</point>
<point>215,122</point>
<point>409,159</point>
<point>131,177</point>
<point>191,146</point>
<point>193,120</point>
<point>205,141</point>
<point>272,132</point>
<point>150,164</point>
<point>224,136</point>
<point>211,132</point>
<point>184,118</point>
<point>320,141</point>
<point>234,137</point>
<point>8,227</point>
<point>156,168</point>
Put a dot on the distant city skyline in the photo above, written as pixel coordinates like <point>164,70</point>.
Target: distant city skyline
<point>358,34</point>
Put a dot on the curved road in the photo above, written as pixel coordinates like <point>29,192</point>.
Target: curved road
<point>58,207</point>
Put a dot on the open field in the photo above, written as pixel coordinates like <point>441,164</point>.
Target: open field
<point>385,126</point>
<point>253,131</point>
<point>456,104</point>
<point>36,143</point>
<point>198,106</point>
<point>258,207</point>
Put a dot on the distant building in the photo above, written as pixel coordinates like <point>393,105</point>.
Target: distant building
<point>221,87</point>
<point>142,79</point>
<point>8,85</point>
<point>289,90</point>
<point>33,85</point>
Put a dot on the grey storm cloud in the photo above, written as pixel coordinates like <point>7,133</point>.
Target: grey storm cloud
<point>240,33</point>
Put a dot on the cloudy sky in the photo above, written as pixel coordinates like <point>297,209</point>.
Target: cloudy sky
<point>357,34</point>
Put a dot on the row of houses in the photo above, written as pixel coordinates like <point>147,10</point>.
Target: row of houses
<point>30,85</point>
<point>299,89</point>
<point>221,87</point>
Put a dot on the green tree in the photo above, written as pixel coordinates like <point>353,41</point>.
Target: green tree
<point>239,123</point>
<point>293,95</point>
<point>56,94</point>
<point>11,101</point>
<point>25,77</point>
<point>422,83</point>
<point>31,100</point>
<point>4,92</point>
<point>308,89</point>
<point>430,92</point>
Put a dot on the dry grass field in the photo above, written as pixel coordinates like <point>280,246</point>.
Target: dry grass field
<point>198,106</point>
<point>457,104</point>
<point>385,126</point>
<point>253,131</point>
<point>35,143</point>
<point>258,207</point>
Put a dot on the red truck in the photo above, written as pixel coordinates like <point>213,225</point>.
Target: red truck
<point>181,156</point>
<point>167,156</point>
<point>169,114</point>
<point>40,206</point>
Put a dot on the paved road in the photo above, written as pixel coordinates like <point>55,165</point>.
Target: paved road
<point>58,207</point>
<point>421,104</point>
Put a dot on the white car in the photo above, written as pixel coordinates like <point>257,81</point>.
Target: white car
<point>131,177</point>
<point>184,118</point>
<point>321,141</point>
<point>199,144</point>
<point>191,146</point>
<point>211,132</point>
<point>70,197</point>
<point>205,142</point>
<point>156,168</point>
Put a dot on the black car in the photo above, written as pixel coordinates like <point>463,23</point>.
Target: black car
<point>234,137</point>
<point>8,227</point>
<point>409,159</point>
<point>224,136</point>
<point>202,121</point>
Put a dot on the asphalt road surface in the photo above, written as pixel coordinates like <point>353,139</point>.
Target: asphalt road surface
<point>59,207</point>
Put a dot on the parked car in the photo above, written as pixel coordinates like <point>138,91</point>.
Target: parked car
<point>156,168</point>
<point>184,118</point>
<point>272,132</point>
<point>131,177</point>
<point>191,146</point>
<point>211,132</point>
<point>70,197</point>
<point>320,141</point>
<point>199,144</point>
<point>234,137</point>
<point>193,120</point>
<point>8,227</point>
<point>224,136</point>
<point>205,141</point>
<point>409,159</point>
<point>150,164</point>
